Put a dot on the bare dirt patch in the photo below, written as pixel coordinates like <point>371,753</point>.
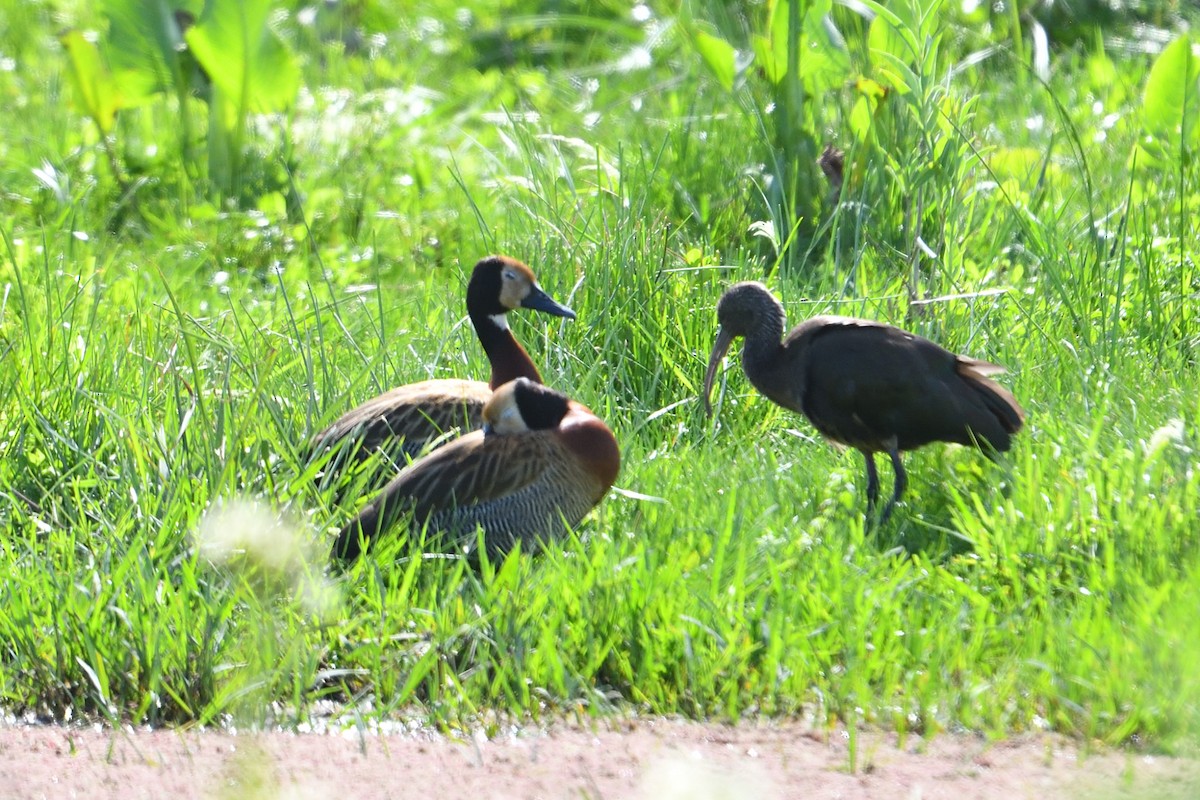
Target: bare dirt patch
<point>642,760</point>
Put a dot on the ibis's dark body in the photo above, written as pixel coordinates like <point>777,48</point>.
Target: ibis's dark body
<point>866,384</point>
<point>874,387</point>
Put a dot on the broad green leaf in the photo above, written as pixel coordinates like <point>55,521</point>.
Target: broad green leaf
<point>896,72</point>
<point>249,65</point>
<point>1026,165</point>
<point>883,11</point>
<point>927,16</point>
<point>771,50</point>
<point>824,62</point>
<point>1169,105</point>
<point>273,205</point>
<point>1102,73</point>
<point>861,117</point>
<point>884,37</point>
<point>143,45</point>
<point>773,65</point>
<point>894,38</point>
<point>822,55</point>
<point>719,55</point>
<point>94,87</point>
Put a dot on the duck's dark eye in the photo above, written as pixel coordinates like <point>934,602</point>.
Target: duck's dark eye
<point>509,275</point>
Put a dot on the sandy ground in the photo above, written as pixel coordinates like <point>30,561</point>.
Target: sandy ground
<point>644,760</point>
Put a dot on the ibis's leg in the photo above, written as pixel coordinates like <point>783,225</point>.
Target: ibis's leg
<point>872,485</point>
<point>901,483</point>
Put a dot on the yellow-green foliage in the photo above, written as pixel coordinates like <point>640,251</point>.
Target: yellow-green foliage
<point>164,355</point>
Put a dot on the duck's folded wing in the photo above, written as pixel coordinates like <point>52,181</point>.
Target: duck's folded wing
<point>471,470</point>
<point>412,412</point>
<point>474,469</point>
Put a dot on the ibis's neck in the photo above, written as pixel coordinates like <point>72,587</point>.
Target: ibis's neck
<point>764,359</point>
<point>508,359</point>
<point>760,357</point>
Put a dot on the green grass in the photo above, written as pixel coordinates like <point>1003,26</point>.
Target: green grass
<point>163,356</point>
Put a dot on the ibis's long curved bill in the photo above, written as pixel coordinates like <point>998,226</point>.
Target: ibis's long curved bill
<point>724,339</point>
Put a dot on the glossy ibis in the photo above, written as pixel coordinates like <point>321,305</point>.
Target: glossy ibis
<point>864,384</point>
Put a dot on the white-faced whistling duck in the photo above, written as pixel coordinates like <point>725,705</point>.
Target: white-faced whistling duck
<point>865,384</point>
<point>540,463</point>
<point>403,420</point>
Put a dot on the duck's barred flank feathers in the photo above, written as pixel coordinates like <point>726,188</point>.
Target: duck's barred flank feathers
<point>535,514</point>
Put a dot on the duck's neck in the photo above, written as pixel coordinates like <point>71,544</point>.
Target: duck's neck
<point>508,359</point>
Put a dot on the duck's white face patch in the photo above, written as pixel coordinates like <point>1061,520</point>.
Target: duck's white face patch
<point>514,287</point>
<point>511,420</point>
<point>500,321</point>
<point>504,417</point>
